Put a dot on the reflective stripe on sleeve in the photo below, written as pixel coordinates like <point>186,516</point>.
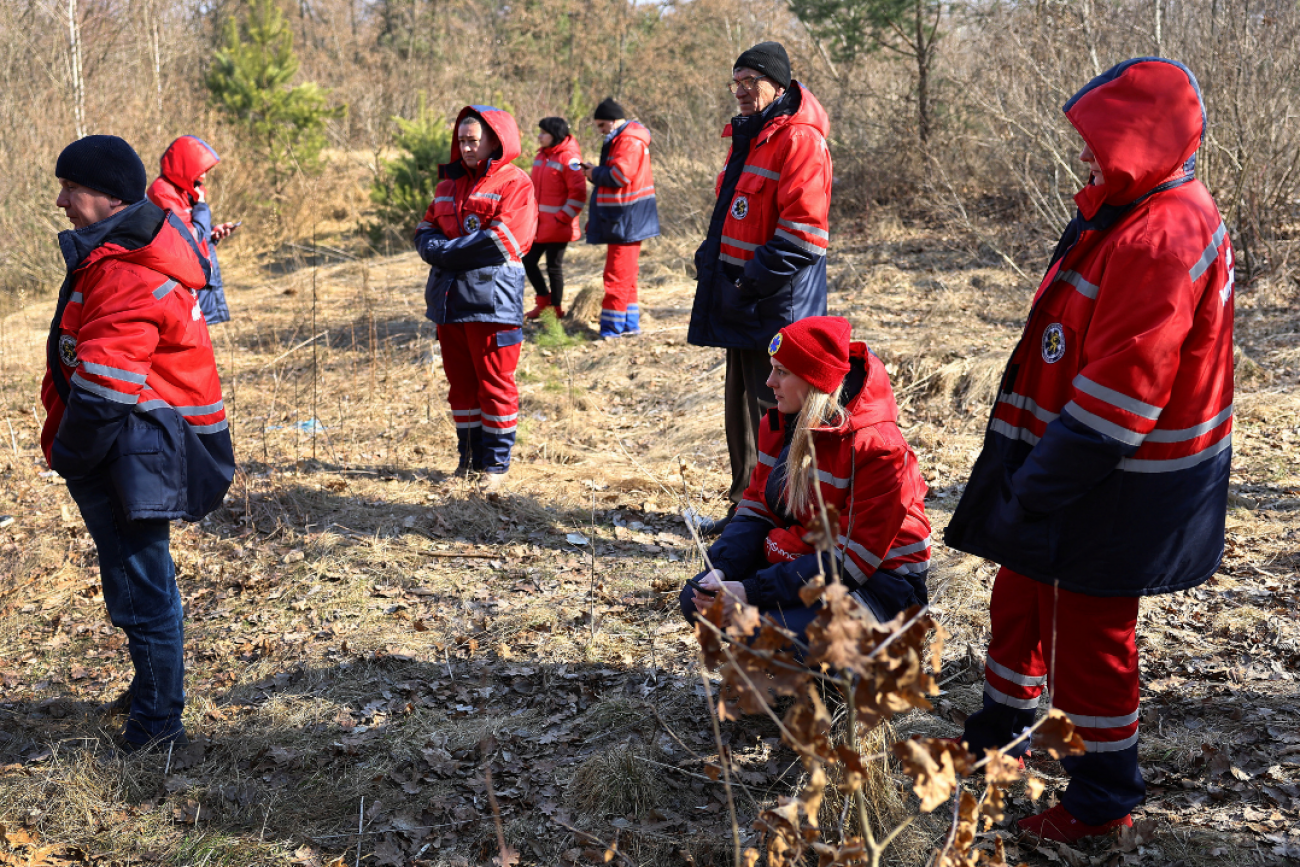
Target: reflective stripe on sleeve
<point>815,249</point>
<point>113,373</point>
<point>805,228</point>
<point>832,480</point>
<point>1211,253</point>
<point>742,245</point>
<point>1170,465</point>
<point>923,545</point>
<point>1117,399</point>
<point>1103,426</point>
<point>210,428</point>
<point>1020,401</point>
<point>1110,746</point>
<point>76,298</point>
<point>746,512</point>
<point>765,459</point>
<point>104,391</point>
<point>732,260</point>
<point>161,292</point>
<point>1011,431</point>
<point>549,209</point>
<point>856,548</point>
<point>1002,698</point>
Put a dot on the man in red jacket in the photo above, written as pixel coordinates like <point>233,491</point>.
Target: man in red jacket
<point>135,418</point>
<point>1104,473</point>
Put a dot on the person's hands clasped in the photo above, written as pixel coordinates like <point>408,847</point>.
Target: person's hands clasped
<point>713,583</point>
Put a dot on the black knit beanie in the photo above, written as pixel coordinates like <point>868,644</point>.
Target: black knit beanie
<point>609,110</point>
<point>558,127</point>
<point>104,163</point>
<point>768,58</point>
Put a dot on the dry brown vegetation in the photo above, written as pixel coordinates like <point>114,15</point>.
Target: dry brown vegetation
<point>363,625</point>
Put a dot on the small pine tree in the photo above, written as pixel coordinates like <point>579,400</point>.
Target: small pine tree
<point>249,81</point>
<point>404,186</point>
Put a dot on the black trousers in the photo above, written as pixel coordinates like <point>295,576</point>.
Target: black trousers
<point>554,270</point>
<point>746,399</point>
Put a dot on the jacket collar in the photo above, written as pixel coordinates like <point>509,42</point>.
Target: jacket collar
<point>131,228</point>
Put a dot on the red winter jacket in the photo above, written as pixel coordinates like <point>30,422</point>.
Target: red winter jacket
<point>1107,458</point>
<point>477,230</point>
<point>561,189</point>
<point>184,161</point>
<point>770,227</point>
<point>131,387</point>
<point>623,207</point>
<point>867,472</point>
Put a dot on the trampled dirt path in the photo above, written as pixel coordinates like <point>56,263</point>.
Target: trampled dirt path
<point>362,625</point>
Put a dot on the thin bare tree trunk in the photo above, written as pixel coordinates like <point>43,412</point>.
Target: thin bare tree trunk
<point>74,68</point>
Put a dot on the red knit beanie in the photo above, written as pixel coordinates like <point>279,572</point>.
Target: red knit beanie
<point>815,349</point>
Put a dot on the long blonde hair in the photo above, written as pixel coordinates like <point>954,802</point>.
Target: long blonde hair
<point>820,410</point>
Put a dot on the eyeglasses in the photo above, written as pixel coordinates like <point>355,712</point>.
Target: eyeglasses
<point>748,83</point>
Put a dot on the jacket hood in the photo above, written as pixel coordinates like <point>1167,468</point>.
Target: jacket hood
<point>503,126</point>
<point>802,108</point>
<point>1144,120</point>
<point>187,158</point>
<point>143,235</point>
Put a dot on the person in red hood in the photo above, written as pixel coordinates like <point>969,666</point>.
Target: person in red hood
<point>181,189</point>
<point>833,398</point>
<point>559,185</point>
<point>474,236</point>
<point>135,419</point>
<point>1105,467</point>
<point>763,263</point>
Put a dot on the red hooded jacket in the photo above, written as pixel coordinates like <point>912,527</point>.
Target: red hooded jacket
<point>184,161</point>
<point>561,189</point>
<point>867,472</point>
<point>476,231</point>
<point>132,385</point>
<point>1107,458</point>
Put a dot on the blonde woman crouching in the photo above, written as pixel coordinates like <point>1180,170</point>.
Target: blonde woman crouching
<point>834,401</point>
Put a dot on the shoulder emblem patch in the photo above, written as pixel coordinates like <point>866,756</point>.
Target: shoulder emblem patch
<point>1053,343</point>
<point>575,165</point>
<point>740,207</point>
<point>472,223</point>
<point>775,346</point>
<point>68,350</point>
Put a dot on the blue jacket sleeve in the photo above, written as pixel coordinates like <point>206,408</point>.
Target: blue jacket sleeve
<point>429,243</point>
<point>777,585</point>
<point>739,550</point>
<point>476,250</point>
<point>90,425</point>
<point>603,176</point>
<point>201,216</point>
<point>773,265</point>
<point>1069,461</point>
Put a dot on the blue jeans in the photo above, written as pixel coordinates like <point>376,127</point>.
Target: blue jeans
<point>139,580</point>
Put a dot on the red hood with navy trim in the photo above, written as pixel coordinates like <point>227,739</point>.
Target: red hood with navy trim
<point>1143,120</point>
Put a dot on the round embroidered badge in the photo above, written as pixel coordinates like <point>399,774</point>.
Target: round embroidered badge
<point>472,223</point>
<point>740,207</point>
<point>68,350</point>
<point>1053,343</point>
<point>775,345</point>
<point>575,164</point>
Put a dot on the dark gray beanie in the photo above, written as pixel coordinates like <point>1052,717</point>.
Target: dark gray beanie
<point>768,58</point>
<point>104,163</point>
<point>609,110</point>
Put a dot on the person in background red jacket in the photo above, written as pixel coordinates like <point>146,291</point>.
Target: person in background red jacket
<point>560,187</point>
<point>135,419</point>
<point>833,398</point>
<point>474,236</point>
<point>1106,463</point>
<point>623,213</point>
<point>181,189</point>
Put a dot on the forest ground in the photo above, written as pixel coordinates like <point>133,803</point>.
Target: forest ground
<point>364,625</point>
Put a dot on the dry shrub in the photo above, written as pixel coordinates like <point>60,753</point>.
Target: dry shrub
<point>622,780</point>
<point>585,306</point>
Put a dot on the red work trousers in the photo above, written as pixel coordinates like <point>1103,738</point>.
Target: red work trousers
<point>480,360</point>
<point>619,312</point>
<point>1084,649</point>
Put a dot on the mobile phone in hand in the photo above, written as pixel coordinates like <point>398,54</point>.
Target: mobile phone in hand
<point>694,584</point>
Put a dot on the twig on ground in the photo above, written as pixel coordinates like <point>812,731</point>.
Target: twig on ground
<point>723,760</point>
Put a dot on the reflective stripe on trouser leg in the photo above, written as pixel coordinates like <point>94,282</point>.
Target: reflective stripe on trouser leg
<point>1096,683</point>
<point>1014,671</point>
<point>620,279</point>
<point>462,394</point>
<point>498,394</point>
